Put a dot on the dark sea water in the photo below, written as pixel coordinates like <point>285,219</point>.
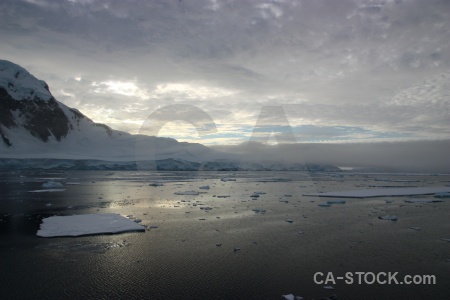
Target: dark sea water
<point>189,252</point>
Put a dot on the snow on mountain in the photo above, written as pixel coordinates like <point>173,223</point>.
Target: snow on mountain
<point>33,124</point>
<point>37,131</point>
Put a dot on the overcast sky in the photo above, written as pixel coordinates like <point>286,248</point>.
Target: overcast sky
<point>342,71</point>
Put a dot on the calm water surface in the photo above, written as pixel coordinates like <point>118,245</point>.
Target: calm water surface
<point>188,252</point>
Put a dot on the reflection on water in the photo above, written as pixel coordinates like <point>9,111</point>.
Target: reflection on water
<point>188,249</point>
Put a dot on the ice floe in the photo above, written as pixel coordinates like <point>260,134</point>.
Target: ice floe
<point>383,192</point>
<point>205,187</point>
<point>423,200</point>
<point>442,195</point>
<point>88,224</point>
<point>47,191</point>
<point>389,217</point>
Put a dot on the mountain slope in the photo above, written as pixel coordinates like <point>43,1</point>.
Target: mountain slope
<point>33,124</point>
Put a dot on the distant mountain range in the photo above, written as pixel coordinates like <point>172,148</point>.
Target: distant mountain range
<point>37,131</point>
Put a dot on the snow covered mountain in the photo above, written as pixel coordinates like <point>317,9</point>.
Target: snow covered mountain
<point>33,124</point>
<point>37,131</point>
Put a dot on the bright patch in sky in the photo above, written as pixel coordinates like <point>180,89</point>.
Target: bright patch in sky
<point>190,91</point>
<point>125,88</point>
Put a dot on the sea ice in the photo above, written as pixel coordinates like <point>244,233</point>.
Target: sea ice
<point>423,200</point>
<point>389,217</point>
<point>336,202</point>
<point>442,195</point>
<point>89,224</point>
<point>383,192</point>
<point>205,187</point>
<point>47,191</point>
<point>52,185</point>
<point>324,204</point>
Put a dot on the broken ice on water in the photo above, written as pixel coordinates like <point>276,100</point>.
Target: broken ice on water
<point>336,201</point>
<point>389,218</point>
<point>442,195</point>
<point>47,191</point>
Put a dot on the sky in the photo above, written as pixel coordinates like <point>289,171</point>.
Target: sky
<point>227,72</point>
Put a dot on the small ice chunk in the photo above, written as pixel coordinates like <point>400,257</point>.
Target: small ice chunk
<point>389,217</point>
<point>156,184</point>
<point>290,221</point>
<point>423,200</point>
<point>223,196</point>
<point>227,179</point>
<point>337,201</point>
<point>254,195</point>
<point>236,249</point>
<point>205,187</point>
<point>416,228</point>
<point>324,204</point>
<point>328,287</point>
<point>52,185</point>
<point>442,195</point>
<point>47,191</point>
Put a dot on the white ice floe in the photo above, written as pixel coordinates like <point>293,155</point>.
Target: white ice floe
<point>389,217</point>
<point>383,192</point>
<point>47,191</point>
<point>89,224</point>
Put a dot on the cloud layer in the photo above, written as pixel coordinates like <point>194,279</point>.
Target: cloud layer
<point>341,70</point>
